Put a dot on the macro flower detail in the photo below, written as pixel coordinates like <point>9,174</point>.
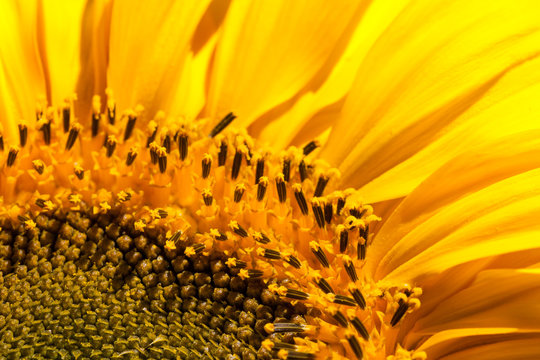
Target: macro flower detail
<point>224,179</point>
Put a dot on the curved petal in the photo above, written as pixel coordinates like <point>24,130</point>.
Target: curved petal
<point>428,70</point>
<point>21,75</point>
<point>156,57</point>
<point>466,210</point>
<point>269,51</point>
<point>60,33</point>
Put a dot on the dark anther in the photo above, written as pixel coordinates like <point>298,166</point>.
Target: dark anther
<point>340,205</point>
<point>153,153</point>
<point>281,189</point>
<point>365,232</point>
<point>294,262</point>
<point>132,154</point>
<point>162,213</point>
<point>321,184</point>
<point>302,170</point>
<point>324,285</point>
<point>259,170</point>
<point>198,248</point>
<point>401,310</point>
<point>271,254</point>
<point>296,294</point>
<point>79,173</point>
<point>351,270</point>
<point>66,114</point>
<point>288,327</point>
<point>239,230</point>
<point>240,264</point>
<point>72,136</point>
<point>355,345</point>
<point>300,355</point>
<point>183,145</point>
<point>95,124</point>
<point>237,162</point>
<point>110,145</point>
<point>207,198</point>
<point>361,251</point>
<point>40,202</point>
<point>111,114</point>
<point>360,328</point>
<point>23,134</point>
<point>286,169</point>
<point>310,146</point>
<point>340,318</point>
<point>261,189</point>
<point>358,297</point>
<point>222,124</point>
<point>343,240</point>
<point>167,143</point>
<point>344,300</point>
<point>321,256</point>
<point>328,212</point>
<point>129,126</point>
<point>46,130</point>
<point>238,192</point>
<point>12,155</point>
<point>221,237</point>
<point>261,238</point>
<point>162,160</point>
<point>301,200</point>
<point>318,212</point>
<point>255,274</point>
<point>1,142</point>
<point>206,165</point>
<point>152,137</point>
<point>38,166</point>
<point>222,155</point>
<point>283,345</point>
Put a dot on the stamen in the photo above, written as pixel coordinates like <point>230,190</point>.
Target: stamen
<point>361,251</point>
<point>132,154</point>
<point>289,327</point>
<point>153,153</point>
<point>292,260</point>
<point>351,270</point>
<point>162,159</point>
<point>79,172</point>
<point>72,136</point>
<point>312,145</point>
<point>324,286</point>
<point>218,235</point>
<point>222,124</point>
<point>255,274</point>
<point>321,184</point>
<point>281,188</point>
<point>66,114</point>
<point>357,213</point>
<point>12,155</point>
<point>23,134</point>
<point>358,298</point>
<point>340,318</point>
<point>328,212</point>
<point>261,188</point>
<point>111,115</point>
<point>46,129</point>
<point>259,172</point>
<point>401,310</point>
<point>39,166</point>
<point>296,294</point>
<point>167,143</point>
<point>271,254</point>
<point>355,345</point>
<point>319,253</point>
<point>110,145</point>
<point>318,212</point>
<point>239,192</point>
<point>183,145</point>
<point>261,237</point>
<point>152,136</point>
<point>129,127</point>
<point>237,229</point>
<point>207,197</point>
<point>206,164</point>
<point>286,169</point>
<point>302,170</point>
<point>344,300</point>
<point>95,124</point>
<point>237,162</point>
<point>340,205</point>
<point>1,142</point>
<point>343,238</point>
<point>300,198</point>
<point>360,328</point>
<point>222,155</point>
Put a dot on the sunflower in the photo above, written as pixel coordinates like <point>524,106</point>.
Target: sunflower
<point>258,180</point>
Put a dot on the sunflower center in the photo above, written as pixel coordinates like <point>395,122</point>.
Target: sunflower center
<point>189,240</point>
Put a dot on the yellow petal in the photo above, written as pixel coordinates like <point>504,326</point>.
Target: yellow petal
<point>269,51</point>
<point>467,210</point>
<point>517,349</point>
<point>149,44</point>
<point>21,75</point>
<point>431,66</point>
<point>60,33</point>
